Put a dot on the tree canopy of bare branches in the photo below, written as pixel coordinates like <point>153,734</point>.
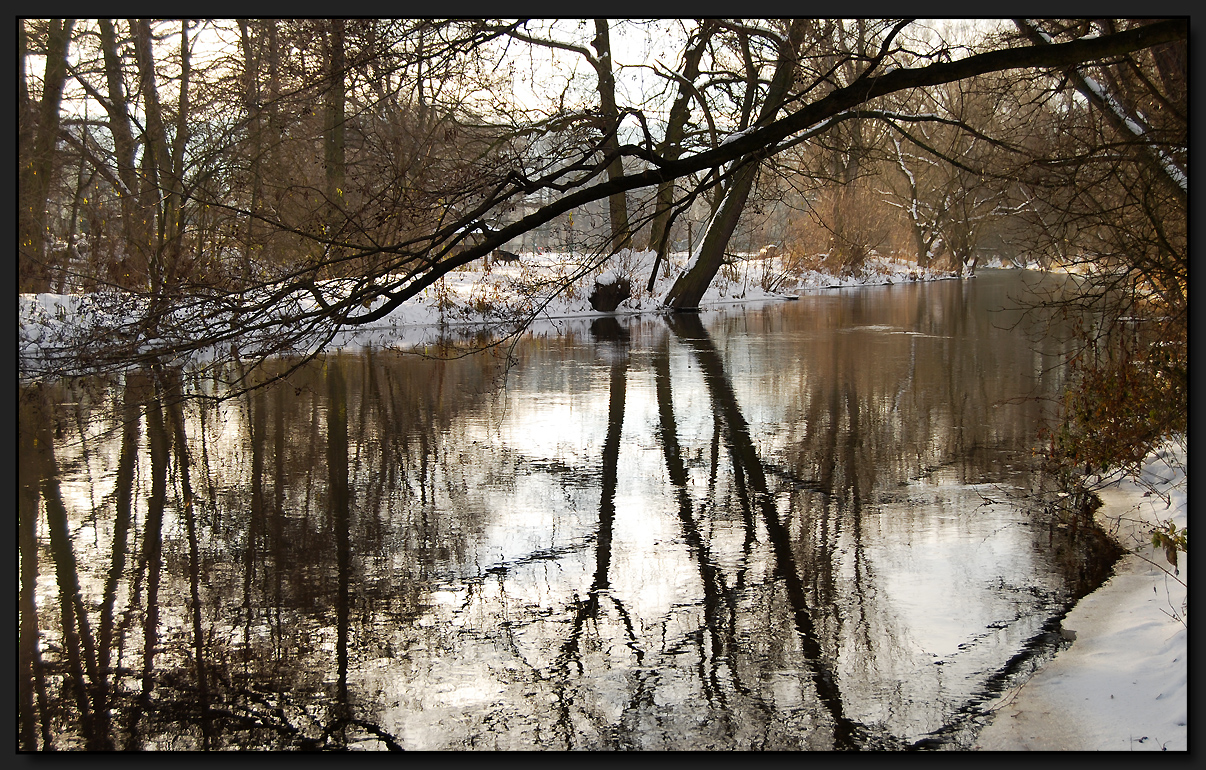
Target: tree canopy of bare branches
<point>265,183</point>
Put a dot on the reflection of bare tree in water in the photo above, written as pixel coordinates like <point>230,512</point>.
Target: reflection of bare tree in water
<point>137,390</point>
<point>151,560</point>
<point>40,479</point>
<point>719,670</point>
<point>173,398</point>
<point>689,329</point>
<point>720,604</point>
<point>175,692</point>
<point>337,470</point>
<point>341,714</point>
<point>30,670</point>
<point>588,609</point>
<point>88,668</point>
<point>312,584</point>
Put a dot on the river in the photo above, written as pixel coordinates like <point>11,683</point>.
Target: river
<point>800,525</point>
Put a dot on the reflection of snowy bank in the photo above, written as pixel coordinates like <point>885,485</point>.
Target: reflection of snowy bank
<point>1123,683</point>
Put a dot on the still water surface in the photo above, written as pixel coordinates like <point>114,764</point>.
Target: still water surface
<point>804,525</point>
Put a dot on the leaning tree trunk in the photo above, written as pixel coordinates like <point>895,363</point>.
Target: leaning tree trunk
<point>689,287</point>
<point>671,147</point>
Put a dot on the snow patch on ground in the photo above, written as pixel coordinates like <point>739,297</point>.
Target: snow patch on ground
<point>1123,684</point>
<point>609,278</point>
<point>537,291</point>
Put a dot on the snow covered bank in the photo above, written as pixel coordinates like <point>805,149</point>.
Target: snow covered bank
<point>1122,685</point>
<point>533,292</point>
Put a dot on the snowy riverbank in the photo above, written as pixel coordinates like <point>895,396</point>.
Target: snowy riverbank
<point>535,293</point>
<point>1123,684</point>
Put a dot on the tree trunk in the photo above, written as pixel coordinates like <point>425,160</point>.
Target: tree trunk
<point>154,151</point>
<point>847,248</point>
<point>617,203</point>
<point>690,286</point>
<point>175,199</point>
<point>131,269</point>
<point>333,130</point>
<point>251,96</point>
<point>671,146</point>
<point>37,159</point>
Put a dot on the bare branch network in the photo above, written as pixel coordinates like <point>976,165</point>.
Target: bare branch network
<point>267,183</point>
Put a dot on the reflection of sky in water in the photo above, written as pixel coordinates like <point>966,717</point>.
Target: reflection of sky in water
<point>934,559</point>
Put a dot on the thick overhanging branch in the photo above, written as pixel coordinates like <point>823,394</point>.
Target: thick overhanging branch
<point>764,141</point>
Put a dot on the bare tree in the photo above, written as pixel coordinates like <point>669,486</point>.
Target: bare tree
<point>671,146</point>
<point>38,129</point>
<point>689,287</point>
<point>409,224</point>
